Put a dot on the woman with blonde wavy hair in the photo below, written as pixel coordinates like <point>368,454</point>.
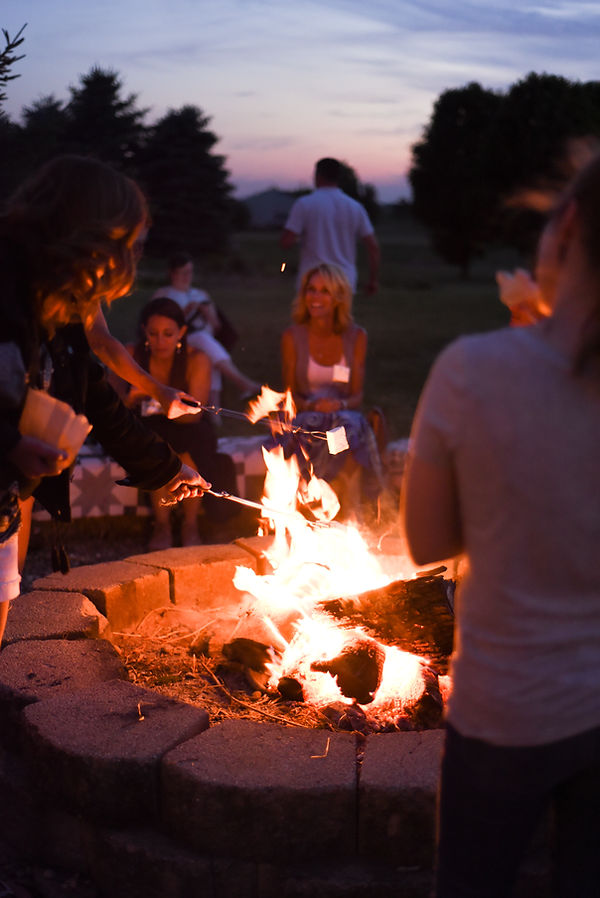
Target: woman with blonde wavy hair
<point>69,239</point>
<point>323,360</point>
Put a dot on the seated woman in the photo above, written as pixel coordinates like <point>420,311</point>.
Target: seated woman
<point>323,358</point>
<point>163,352</point>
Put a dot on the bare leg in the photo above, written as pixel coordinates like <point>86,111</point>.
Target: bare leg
<point>9,577</point>
<point>190,535</point>
<point>161,535</point>
<point>26,506</point>
<point>3,616</point>
<point>347,486</point>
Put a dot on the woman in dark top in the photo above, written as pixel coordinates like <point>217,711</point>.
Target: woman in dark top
<point>163,351</point>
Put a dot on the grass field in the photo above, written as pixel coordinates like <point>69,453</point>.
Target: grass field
<point>420,307</point>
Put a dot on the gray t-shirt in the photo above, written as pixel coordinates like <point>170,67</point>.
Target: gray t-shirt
<point>522,434</point>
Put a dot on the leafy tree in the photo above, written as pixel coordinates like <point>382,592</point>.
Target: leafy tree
<point>103,123</point>
<point>187,184</point>
<point>364,193</point>
<point>449,175</point>
<point>481,152</point>
<point>537,117</point>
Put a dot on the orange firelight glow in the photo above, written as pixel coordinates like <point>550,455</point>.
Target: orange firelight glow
<point>310,565</point>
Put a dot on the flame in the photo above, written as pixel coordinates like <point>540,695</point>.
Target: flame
<point>314,559</point>
<point>266,402</point>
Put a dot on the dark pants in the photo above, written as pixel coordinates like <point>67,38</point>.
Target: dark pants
<point>491,800</point>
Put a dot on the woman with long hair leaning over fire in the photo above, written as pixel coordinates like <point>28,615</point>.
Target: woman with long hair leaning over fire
<point>323,361</point>
<point>69,239</point>
<point>504,468</point>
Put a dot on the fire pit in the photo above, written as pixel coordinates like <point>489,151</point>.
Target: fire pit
<point>147,810</point>
<point>299,627</point>
<point>306,625</point>
<point>380,664</point>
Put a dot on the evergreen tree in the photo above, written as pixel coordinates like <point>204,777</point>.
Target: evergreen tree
<point>187,184</point>
<point>8,59</point>
<point>101,122</point>
<point>44,126</point>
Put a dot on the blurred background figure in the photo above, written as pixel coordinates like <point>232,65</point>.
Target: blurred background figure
<point>209,329</point>
<point>328,224</point>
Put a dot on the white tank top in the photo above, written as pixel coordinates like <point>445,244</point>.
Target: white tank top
<point>321,375</point>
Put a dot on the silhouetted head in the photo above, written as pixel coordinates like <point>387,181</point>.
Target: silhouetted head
<point>575,217</point>
<point>327,172</point>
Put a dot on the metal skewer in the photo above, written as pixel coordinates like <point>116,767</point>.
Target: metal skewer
<point>241,416</point>
<point>268,511</point>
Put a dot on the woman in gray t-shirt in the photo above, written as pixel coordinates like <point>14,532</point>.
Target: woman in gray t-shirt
<point>504,468</point>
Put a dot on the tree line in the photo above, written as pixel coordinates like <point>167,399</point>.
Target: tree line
<point>486,156</point>
<point>480,157</point>
<point>173,160</point>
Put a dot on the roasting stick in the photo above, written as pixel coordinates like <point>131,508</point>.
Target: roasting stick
<point>240,416</point>
<point>268,511</point>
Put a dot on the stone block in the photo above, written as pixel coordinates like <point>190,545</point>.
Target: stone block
<point>122,591</point>
<point>354,881</point>
<point>263,792</point>
<point>200,575</point>
<point>37,669</point>
<point>52,614</point>
<point>397,797</point>
<point>98,751</point>
<point>141,863</point>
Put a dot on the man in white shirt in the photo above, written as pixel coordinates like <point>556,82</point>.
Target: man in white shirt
<point>328,224</point>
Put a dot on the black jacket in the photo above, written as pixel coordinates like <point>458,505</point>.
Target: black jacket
<point>78,379</point>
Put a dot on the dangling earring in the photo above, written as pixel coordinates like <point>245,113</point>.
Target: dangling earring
<point>147,345</point>
<point>178,347</point>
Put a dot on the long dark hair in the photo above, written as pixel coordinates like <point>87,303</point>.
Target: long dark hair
<point>166,308</point>
<point>78,220</point>
<point>584,191</point>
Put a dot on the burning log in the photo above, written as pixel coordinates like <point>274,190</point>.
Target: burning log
<point>357,669</point>
<point>427,712</point>
<point>248,653</point>
<point>414,615</point>
<point>290,689</point>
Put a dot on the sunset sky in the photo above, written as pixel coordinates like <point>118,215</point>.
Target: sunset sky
<point>287,82</point>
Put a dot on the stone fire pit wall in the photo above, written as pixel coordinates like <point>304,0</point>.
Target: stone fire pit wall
<point>138,792</point>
